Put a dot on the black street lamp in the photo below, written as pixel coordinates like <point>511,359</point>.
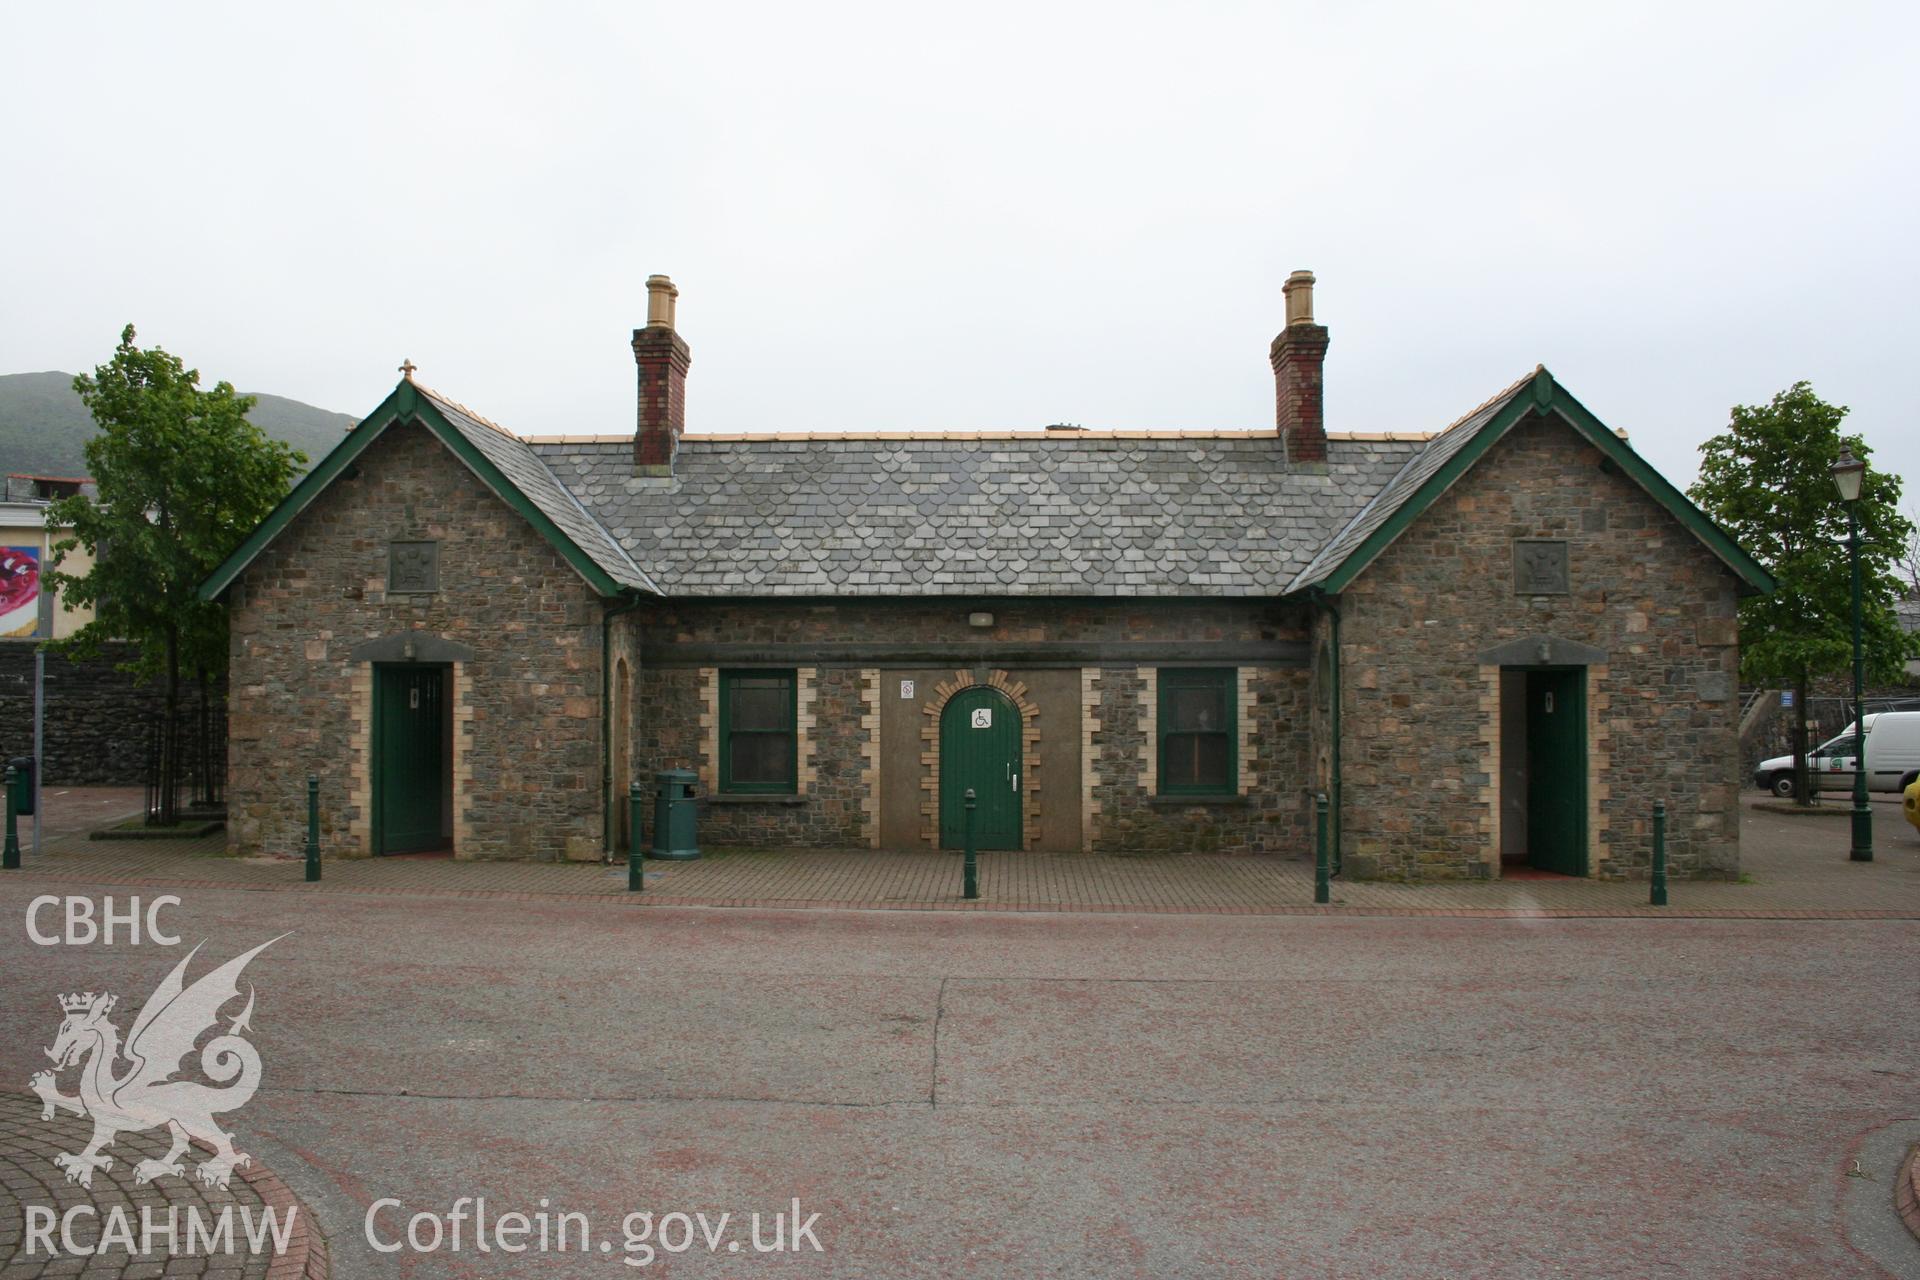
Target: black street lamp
<point>1847,474</point>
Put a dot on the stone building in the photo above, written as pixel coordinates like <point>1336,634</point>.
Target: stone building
<point>1491,645</point>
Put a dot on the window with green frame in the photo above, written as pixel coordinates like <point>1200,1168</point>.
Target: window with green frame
<point>757,738</point>
<point>1198,743</point>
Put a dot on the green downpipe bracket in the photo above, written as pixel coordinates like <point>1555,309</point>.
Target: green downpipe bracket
<point>1325,602</point>
<point>608,786</point>
<point>1335,732</point>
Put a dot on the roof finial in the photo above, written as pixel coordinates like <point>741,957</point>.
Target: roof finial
<point>407,368</point>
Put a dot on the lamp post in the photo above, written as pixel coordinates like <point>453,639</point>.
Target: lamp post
<point>1847,474</point>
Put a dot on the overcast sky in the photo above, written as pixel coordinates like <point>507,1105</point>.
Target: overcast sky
<point>974,216</point>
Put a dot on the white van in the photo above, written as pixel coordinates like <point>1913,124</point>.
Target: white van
<point>1893,758</point>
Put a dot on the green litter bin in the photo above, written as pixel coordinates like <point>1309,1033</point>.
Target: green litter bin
<point>22,785</point>
<point>674,826</point>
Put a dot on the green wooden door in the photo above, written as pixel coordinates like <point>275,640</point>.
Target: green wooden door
<point>409,769</point>
<point>1557,771</point>
<point>980,748</point>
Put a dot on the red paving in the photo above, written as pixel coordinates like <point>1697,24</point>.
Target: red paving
<point>1068,1095</point>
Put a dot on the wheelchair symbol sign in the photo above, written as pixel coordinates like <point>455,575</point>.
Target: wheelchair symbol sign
<point>983,717</point>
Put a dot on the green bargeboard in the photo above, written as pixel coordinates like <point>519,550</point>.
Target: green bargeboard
<point>1557,771</point>
<point>980,748</point>
<point>410,784</point>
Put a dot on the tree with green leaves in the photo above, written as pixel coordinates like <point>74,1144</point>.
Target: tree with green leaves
<point>1768,480</point>
<point>183,477</point>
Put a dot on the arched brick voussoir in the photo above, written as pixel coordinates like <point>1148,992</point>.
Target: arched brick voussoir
<point>930,757</point>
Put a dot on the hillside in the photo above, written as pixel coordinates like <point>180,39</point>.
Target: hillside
<point>43,425</point>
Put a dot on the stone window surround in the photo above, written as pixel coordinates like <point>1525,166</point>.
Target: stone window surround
<point>1089,726</point>
<point>930,755</point>
<point>1243,694</point>
<point>1238,699</point>
<point>870,753</point>
<point>806,760</point>
<point>1149,711</point>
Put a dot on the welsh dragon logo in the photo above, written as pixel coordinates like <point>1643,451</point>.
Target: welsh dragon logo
<point>146,1094</point>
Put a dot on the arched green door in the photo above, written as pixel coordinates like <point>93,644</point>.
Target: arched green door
<point>980,748</point>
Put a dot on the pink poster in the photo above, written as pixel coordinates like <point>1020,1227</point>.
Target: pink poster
<point>19,591</point>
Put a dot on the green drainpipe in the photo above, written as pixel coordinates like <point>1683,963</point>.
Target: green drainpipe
<point>1321,599</point>
<point>609,820</point>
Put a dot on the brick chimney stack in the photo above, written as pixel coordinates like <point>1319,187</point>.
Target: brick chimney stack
<point>663,358</point>
<point>1299,355</point>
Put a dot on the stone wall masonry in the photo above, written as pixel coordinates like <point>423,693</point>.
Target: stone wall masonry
<point>526,706</point>
<point>1269,815</point>
<point>1421,771</point>
<point>96,717</point>
<point>1112,778</point>
<point>668,624</point>
<point>677,727</point>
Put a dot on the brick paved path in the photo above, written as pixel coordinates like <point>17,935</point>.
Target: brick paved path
<point>29,1177</point>
<point>1795,867</point>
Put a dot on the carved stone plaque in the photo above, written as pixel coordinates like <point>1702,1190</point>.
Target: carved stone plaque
<point>413,566</point>
<point>1540,568</point>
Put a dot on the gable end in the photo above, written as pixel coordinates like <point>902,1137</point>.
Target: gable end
<point>408,404</point>
<point>1539,396</point>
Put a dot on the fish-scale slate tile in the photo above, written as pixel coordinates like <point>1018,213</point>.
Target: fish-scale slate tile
<point>1403,485</point>
<point>560,502</point>
<point>1220,516</point>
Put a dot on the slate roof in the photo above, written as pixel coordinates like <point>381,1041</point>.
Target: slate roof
<point>1035,514</point>
<point>526,471</point>
<point>1071,514</point>
<point>1405,483</point>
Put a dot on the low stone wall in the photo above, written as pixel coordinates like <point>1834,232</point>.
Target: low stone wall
<point>97,717</point>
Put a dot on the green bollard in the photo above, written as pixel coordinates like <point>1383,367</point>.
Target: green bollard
<point>10,860</point>
<point>1322,891</point>
<point>1659,895</point>
<point>636,802</point>
<point>972,889</point>
<point>313,828</point>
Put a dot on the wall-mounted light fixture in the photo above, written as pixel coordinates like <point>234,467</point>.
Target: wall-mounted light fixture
<point>407,650</point>
<point>979,619</point>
